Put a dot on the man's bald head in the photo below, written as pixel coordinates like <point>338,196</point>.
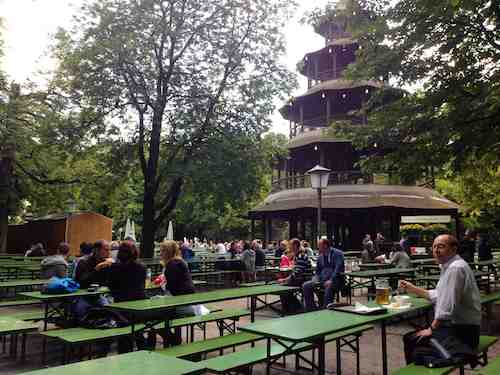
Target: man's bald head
<point>444,247</point>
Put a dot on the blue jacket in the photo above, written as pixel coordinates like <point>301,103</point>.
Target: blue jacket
<point>331,265</point>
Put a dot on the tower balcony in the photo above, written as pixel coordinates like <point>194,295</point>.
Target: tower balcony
<point>351,177</point>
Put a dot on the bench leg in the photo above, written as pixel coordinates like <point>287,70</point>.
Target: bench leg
<point>357,356</point>
<point>339,360</point>
<point>23,348</point>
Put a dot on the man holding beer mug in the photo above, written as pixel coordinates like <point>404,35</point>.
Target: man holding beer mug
<point>456,301</point>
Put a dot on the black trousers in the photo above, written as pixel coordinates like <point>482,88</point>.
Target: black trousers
<point>467,334</point>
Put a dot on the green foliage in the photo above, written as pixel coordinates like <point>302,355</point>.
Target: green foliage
<point>182,79</point>
<point>448,128</point>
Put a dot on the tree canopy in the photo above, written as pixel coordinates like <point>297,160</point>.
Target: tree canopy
<point>181,76</point>
<point>446,54</point>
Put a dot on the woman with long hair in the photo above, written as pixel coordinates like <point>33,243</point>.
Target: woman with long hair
<point>300,273</point>
<point>178,282</point>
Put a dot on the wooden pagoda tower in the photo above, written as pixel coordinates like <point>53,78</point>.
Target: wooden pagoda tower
<point>354,203</point>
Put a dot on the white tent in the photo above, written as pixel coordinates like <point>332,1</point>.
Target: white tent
<point>127,229</point>
<point>170,231</point>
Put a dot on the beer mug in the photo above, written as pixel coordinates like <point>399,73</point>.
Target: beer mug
<point>382,293</point>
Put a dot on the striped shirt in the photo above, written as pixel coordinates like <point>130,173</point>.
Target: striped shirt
<point>301,270</point>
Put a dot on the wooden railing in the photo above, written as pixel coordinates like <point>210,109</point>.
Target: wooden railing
<point>335,178</point>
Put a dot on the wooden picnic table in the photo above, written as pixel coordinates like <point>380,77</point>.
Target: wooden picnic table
<point>14,327</point>
<point>432,280</point>
<point>58,305</point>
<point>140,362</point>
<point>143,310</point>
<point>421,262</point>
<point>17,285</point>
<point>390,273</point>
<point>374,266</point>
<point>313,327</point>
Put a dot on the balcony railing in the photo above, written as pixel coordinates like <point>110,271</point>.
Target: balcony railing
<point>336,178</point>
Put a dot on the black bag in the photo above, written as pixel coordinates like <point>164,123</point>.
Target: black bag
<point>102,318</point>
<point>446,352</point>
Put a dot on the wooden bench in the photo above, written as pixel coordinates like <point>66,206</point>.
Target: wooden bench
<point>28,315</point>
<point>86,336</point>
<point>493,368</point>
<point>245,358</point>
<point>413,369</point>
<point>211,345</point>
<point>248,357</point>
<point>201,321</point>
<point>348,338</point>
<point>20,302</point>
<point>485,342</point>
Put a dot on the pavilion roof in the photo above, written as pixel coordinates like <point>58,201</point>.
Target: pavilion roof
<point>311,137</point>
<point>357,196</point>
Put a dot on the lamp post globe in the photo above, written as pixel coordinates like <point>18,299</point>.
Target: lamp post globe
<point>319,180</point>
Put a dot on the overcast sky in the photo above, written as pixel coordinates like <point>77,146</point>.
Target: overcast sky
<point>28,25</point>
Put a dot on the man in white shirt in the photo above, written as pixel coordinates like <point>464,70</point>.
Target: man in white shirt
<point>457,304</point>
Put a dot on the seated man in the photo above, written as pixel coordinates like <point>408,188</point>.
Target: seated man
<point>54,263</point>
<point>329,272</point>
<point>456,302</point>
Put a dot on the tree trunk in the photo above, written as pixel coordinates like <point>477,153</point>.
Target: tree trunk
<point>148,230</point>
<point>4,227</point>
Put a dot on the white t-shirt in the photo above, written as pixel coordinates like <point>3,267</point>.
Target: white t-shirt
<point>221,249</point>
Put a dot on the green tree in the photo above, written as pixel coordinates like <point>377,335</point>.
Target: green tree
<point>181,73</point>
<point>446,128</point>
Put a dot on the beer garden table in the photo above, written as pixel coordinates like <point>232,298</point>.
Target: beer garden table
<point>20,284</point>
<point>14,327</point>
<point>373,275</point>
<point>313,327</point>
<point>432,280</point>
<point>374,266</point>
<point>155,310</point>
<point>133,363</point>
<point>57,305</point>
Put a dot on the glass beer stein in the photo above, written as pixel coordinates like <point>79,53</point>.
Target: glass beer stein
<point>382,293</point>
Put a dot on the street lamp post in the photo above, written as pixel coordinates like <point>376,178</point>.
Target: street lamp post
<point>319,181</point>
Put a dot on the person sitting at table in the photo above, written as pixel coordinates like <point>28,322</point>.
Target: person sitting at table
<point>92,269</point>
<point>398,257</point>
<point>457,305</point>
<point>301,270</point>
<point>329,272</point>
<point>127,282</point>
<point>368,253</point>
<point>36,251</point>
<point>286,260</point>
<point>178,282</point>
<point>279,251</point>
<point>54,263</point>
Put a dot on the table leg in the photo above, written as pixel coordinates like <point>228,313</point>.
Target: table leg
<point>321,356</point>
<point>253,305</point>
<point>46,308</point>
<point>339,359</point>
<point>384,347</point>
<point>268,363</point>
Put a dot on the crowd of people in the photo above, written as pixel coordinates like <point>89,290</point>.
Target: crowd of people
<point>117,266</point>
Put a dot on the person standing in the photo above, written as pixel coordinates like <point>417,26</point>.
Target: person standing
<point>483,247</point>
<point>330,270</point>
<point>260,256</point>
<point>467,246</point>
<point>457,304</point>
<point>248,260</point>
